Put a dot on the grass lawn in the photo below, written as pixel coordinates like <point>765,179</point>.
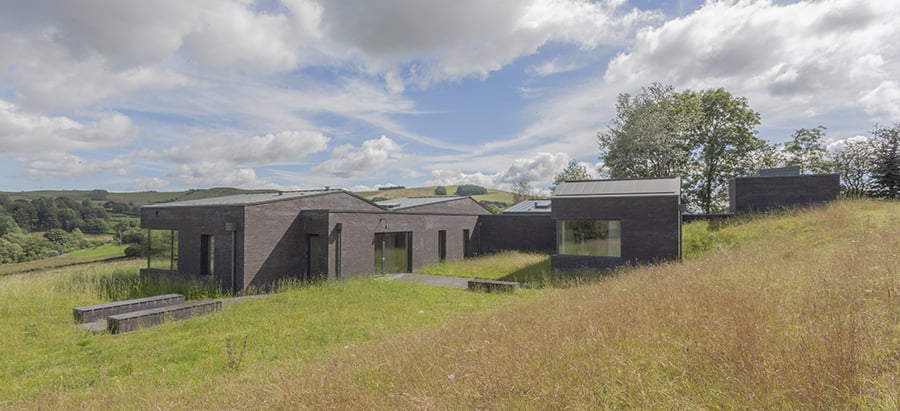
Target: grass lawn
<point>507,266</point>
<point>53,363</point>
<point>798,310</point>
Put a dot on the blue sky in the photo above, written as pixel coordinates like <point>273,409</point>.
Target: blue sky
<point>293,94</point>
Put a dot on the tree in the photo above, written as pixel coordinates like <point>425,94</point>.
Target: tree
<point>572,172</point>
<point>649,137</point>
<point>8,225</point>
<point>522,191</point>
<point>440,191</point>
<point>886,167</point>
<point>853,160</point>
<point>807,151</point>
<point>724,145</point>
<point>470,190</point>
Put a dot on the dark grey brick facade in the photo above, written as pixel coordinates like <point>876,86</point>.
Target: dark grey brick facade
<point>528,232</point>
<point>759,194</point>
<point>650,230</point>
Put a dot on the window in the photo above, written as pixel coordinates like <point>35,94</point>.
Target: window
<point>465,243</point>
<point>442,245</point>
<point>162,249</point>
<point>392,252</point>
<point>207,255</point>
<point>599,238</point>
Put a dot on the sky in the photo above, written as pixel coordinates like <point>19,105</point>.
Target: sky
<point>169,95</point>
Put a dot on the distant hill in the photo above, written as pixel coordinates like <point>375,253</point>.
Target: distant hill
<point>494,197</point>
<point>135,198</point>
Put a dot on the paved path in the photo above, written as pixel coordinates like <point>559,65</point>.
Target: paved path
<point>428,279</point>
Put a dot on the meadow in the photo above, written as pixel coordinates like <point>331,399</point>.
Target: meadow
<point>793,310</point>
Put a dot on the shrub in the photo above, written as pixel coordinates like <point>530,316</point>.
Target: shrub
<point>440,191</point>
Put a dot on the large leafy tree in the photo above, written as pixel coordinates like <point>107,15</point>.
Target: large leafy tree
<point>723,146</point>
<point>649,137</point>
<point>706,137</point>
<point>853,161</point>
<point>886,167</point>
<point>572,172</point>
<point>807,150</point>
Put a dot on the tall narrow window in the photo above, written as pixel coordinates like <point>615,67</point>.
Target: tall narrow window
<point>207,255</point>
<point>466,251</point>
<point>442,245</point>
<point>599,238</point>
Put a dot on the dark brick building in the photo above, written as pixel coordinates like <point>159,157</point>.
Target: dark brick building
<point>769,191</point>
<point>256,239</point>
<point>601,224</point>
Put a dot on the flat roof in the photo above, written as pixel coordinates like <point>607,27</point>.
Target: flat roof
<point>530,207</point>
<point>639,187</point>
<point>245,199</point>
<point>410,202</point>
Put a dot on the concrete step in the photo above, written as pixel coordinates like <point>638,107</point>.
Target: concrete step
<point>120,323</point>
<point>92,313</point>
<point>477,284</point>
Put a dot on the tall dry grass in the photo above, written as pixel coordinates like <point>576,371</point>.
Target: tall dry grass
<point>806,317</point>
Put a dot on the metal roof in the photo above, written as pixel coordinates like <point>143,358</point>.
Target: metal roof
<point>779,172</point>
<point>244,199</point>
<point>642,187</point>
<point>401,203</point>
<point>530,207</point>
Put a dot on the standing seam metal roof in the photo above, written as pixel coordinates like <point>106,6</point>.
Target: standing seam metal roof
<point>530,207</point>
<point>245,199</point>
<point>620,188</point>
<point>401,203</point>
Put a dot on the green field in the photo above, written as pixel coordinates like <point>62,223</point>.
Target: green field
<point>85,256</point>
<point>136,198</point>
<point>795,310</point>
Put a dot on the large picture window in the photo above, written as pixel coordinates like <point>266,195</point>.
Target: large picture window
<point>599,238</point>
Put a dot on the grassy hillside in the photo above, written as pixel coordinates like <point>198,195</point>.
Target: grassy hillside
<point>136,198</point>
<point>492,194</point>
<point>800,310</point>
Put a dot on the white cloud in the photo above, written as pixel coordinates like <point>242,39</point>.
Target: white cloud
<point>841,145</point>
<point>213,173</point>
<point>371,156</point>
<point>454,177</point>
<point>149,184</point>
<point>539,170</point>
<point>884,100</point>
<point>470,37</point>
<point>814,55</point>
<point>27,133</point>
<point>286,146</point>
<point>551,67</point>
<point>59,166</point>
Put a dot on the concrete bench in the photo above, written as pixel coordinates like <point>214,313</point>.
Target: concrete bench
<point>493,285</point>
<point>132,321</point>
<point>91,313</point>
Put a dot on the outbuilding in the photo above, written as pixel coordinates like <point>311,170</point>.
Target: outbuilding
<point>601,224</point>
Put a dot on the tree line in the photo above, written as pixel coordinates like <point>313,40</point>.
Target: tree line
<point>708,137</point>
<point>62,221</point>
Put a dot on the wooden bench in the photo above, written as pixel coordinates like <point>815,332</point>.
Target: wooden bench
<point>120,323</point>
<point>91,313</point>
<point>492,285</point>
